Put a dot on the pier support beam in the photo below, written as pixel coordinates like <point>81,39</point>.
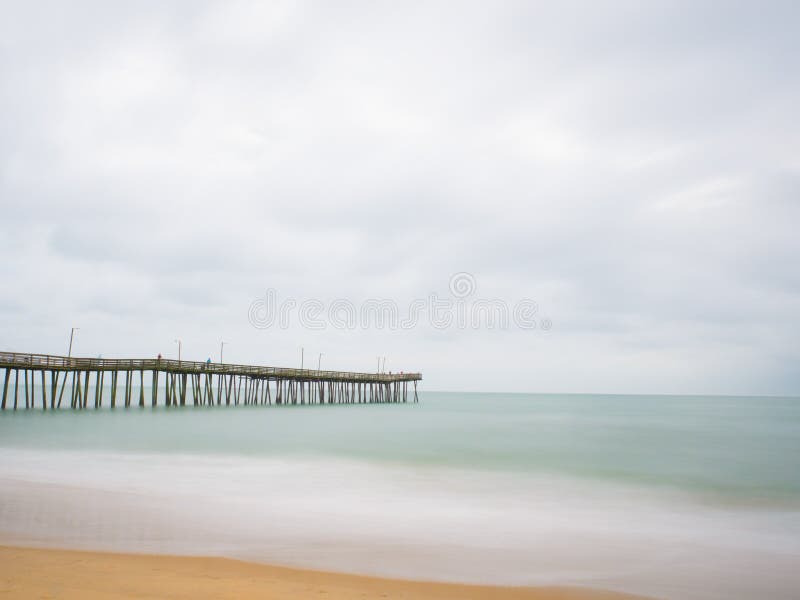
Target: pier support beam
<point>5,389</point>
<point>154,400</point>
<point>63,387</point>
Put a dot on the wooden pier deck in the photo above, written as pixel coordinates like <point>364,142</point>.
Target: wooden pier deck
<point>204,383</point>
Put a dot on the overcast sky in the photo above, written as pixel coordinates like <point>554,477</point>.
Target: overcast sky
<point>632,167</point>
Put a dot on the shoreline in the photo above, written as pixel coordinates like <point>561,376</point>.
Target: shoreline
<point>27,572</point>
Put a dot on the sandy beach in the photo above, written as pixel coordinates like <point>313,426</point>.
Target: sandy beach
<point>49,573</point>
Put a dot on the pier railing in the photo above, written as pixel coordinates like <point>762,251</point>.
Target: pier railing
<point>48,362</point>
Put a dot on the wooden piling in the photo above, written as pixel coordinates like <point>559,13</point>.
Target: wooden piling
<point>76,389</point>
<point>53,389</point>
<point>86,389</point>
<point>63,387</point>
<point>5,389</point>
<point>114,389</point>
<point>73,390</point>
<point>154,398</point>
<point>98,389</point>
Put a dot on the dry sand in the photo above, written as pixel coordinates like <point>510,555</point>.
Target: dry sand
<point>48,573</point>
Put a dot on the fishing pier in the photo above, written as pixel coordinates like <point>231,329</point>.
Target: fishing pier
<point>202,383</point>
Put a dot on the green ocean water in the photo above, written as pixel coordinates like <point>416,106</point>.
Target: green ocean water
<point>737,449</point>
<point>671,496</point>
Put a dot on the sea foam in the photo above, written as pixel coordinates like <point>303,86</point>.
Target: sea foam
<point>426,522</point>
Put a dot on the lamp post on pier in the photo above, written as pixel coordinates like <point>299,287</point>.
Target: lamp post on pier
<point>319,367</point>
<point>179,349</point>
<point>71,336</point>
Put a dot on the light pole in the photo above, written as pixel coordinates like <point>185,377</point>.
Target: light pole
<point>379,364</point>
<point>179,349</point>
<point>319,364</point>
<point>302,357</point>
<point>221,348</point>
<point>71,335</point>
<point>384,365</point>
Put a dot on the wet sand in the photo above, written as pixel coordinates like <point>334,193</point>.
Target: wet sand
<point>50,573</point>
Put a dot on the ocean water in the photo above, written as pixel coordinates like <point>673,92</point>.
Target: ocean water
<point>671,496</point>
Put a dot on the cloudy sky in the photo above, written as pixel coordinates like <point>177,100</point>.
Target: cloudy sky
<point>633,168</point>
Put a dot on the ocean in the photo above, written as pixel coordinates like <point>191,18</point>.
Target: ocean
<point>670,496</point>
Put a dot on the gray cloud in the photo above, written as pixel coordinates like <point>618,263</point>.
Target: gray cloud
<point>634,168</point>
